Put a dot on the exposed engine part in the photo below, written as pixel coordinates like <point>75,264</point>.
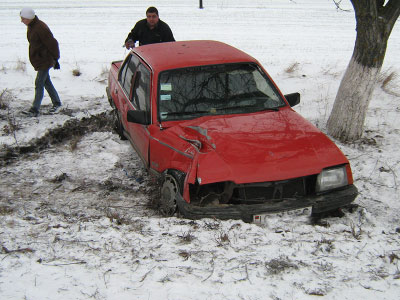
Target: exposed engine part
<point>255,193</point>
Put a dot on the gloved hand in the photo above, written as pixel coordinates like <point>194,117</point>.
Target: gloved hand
<point>57,65</point>
<point>129,44</point>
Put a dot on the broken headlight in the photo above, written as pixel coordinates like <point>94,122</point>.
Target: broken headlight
<point>331,178</point>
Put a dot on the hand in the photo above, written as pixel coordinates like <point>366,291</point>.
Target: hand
<point>56,65</point>
<point>129,44</point>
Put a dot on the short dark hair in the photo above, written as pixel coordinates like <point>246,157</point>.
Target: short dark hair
<point>152,10</point>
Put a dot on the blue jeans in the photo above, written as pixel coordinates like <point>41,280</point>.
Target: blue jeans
<point>43,82</point>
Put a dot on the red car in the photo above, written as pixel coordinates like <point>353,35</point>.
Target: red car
<point>208,119</point>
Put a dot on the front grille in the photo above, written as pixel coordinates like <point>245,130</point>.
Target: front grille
<point>272,191</point>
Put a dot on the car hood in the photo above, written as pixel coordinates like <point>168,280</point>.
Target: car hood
<point>258,147</point>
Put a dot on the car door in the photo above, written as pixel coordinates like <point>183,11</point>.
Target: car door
<point>141,101</point>
<point>126,80</point>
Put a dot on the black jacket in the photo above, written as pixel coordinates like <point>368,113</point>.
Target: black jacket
<point>142,33</point>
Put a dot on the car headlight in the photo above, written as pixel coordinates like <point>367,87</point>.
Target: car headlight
<point>331,178</point>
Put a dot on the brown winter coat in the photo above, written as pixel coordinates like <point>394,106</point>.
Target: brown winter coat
<point>43,47</point>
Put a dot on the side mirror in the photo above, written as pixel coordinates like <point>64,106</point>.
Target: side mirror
<point>138,116</point>
<point>293,99</point>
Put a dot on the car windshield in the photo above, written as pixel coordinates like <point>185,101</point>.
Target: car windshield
<point>194,92</point>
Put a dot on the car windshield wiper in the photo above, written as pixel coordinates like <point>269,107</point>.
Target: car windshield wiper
<point>182,113</point>
<point>270,108</point>
<point>248,106</point>
<point>235,107</point>
<point>179,113</point>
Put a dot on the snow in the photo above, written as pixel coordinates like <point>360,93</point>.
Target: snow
<point>75,215</point>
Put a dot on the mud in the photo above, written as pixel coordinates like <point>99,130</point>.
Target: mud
<point>32,190</point>
<point>71,129</point>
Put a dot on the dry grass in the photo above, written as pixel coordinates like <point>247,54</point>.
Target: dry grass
<point>5,98</point>
<point>12,124</point>
<point>20,65</point>
<point>388,80</point>
<point>186,237</point>
<point>76,71</point>
<point>59,178</point>
<point>387,76</point>
<point>185,254</point>
<point>116,217</point>
<point>279,265</point>
<point>104,71</point>
<point>6,210</point>
<point>292,68</point>
<point>103,75</point>
<point>222,239</point>
<point>356,231</point>
<point>329,71</point>
<point>74,143</point>
<point>324,246</point>
<point>213,225</point>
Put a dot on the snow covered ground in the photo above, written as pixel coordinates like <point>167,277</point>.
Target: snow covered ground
<point>76,220</point>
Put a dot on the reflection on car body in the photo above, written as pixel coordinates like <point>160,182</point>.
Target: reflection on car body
<point>207,118</point>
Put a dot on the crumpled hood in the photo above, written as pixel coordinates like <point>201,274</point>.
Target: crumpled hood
<point>259,147</point>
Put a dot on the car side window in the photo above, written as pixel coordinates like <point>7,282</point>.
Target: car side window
<point>141,91</point>
<point>122,73</point>
<point>126,76</point>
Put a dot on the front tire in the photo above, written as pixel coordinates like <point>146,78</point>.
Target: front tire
<point>172,183</point>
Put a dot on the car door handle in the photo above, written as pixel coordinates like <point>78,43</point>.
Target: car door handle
<point>116,91</point>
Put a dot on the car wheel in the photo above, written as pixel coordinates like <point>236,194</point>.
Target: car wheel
<point>171,185</point>
<point>118,125</point>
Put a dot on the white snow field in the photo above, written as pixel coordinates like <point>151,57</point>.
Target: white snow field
<point>76,220</point>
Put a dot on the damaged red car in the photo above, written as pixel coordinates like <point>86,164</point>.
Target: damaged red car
<point>210,122</point>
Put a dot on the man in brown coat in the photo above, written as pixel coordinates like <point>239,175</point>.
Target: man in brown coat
<point>43,55</point>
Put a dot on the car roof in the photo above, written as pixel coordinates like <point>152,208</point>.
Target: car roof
<point>173,55</point>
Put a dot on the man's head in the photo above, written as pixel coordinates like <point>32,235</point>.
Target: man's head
<point>152,16</point>
<point>27,15</point>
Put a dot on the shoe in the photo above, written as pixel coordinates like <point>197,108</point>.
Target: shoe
<point>31,113</point>
<point>55,109</point>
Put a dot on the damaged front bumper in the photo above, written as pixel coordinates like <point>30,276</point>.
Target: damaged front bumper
<point>319,203</point>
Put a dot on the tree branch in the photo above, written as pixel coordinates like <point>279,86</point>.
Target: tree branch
<point>379,3</point>
<point>391,12</point>
<point>337,3</point>
<point>365,7</point>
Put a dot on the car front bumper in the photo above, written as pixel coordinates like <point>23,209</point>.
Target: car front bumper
<point>319,203</point>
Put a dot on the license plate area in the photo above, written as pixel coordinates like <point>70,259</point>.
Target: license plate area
<point>290,214</point>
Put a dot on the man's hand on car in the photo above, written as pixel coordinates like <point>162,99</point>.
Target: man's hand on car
<point>129,44</point>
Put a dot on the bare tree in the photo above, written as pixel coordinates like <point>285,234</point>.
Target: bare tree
<point>375,20</point>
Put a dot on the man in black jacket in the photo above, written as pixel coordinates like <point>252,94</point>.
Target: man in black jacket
<point>149,31</point>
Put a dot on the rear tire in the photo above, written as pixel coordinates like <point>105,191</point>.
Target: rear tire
<point>117,125</point>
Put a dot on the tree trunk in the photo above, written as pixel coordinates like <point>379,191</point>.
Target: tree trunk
<point>374,25</point>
